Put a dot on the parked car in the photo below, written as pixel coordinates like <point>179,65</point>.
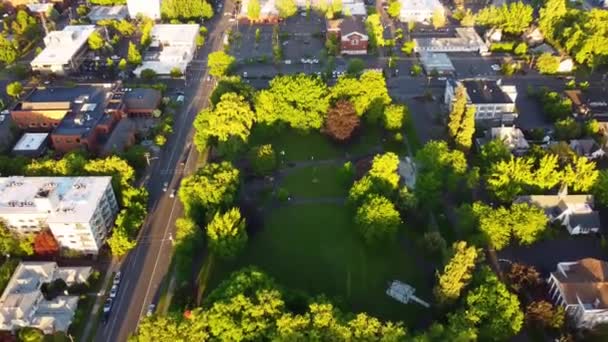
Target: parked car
<point>107,306</point>
<point>151,309</point>
<point>114,291</point>
<point>495,67</point>
<point>116,280</point>
<point>172,194</point>
<point>165,186</point>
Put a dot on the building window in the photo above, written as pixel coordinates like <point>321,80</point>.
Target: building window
<point>355,42</point>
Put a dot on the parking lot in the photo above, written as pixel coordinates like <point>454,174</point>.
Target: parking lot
<point>245,47</point>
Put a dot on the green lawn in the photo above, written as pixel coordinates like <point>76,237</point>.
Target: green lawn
<point>315,249</point>
<point>300,146</point>
<point>315,181</point>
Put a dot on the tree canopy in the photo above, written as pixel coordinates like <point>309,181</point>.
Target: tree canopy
<point>286,8</point>
<point>512,18</point>
<point>341,121</point>
<point>382,179</point>
<point>457,272</point>
<point>461,126</point>
<point>186,9</point>
<point>226,233</point>
<point>377,219</point>
<point>368,93</point>
<point>300,101</point>
<point>219,63</point>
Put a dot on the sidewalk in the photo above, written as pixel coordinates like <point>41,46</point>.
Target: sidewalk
<point>93,319</point>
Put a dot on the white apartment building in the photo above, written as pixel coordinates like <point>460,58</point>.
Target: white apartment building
<point>79,211</point>
<point>493,102</point>
<point>23,305</point>
<point>419,10</point>
<point>63,50</point>
<point>172,46</point>
<point>147,8</point>
<point>581,287</point>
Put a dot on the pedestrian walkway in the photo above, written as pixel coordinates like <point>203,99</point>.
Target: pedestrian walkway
<point>98,301</point>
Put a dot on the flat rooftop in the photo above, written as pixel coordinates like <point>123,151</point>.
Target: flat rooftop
<point>30,142</point>
<point>85,106</point>
<point>175,34</point>
<point>69,199</point>
<point>437,61</point>
<point>61,46</point>
<point>485,92</point>
<point>108,12</point>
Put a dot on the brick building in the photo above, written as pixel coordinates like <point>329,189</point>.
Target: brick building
<point>351,33</point>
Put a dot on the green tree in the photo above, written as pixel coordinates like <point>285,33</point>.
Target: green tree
<point>368,94</point>
<point>212,188</point>
<point>186,9</point>
<point>377,219</point>
<point>493,309</point>
<point>219,63</point>
<point>492,153</point>
<point>125,28</point>
<point>232,84</point>
<point>12,244</point>
<point>286,8</point>
<point>580,175</point>
<point>263,159</point>
<point>355,66</point>
<point>188,240</point>
<point>96,41</point>
<point>461,126</point>
<point>122,64</point>
<point>513,18</point>
<point>120,244</point>
<point>438,19</point>
<point>176,72</point>
<point>394,9</point>
<point>457,272</point>
<point>231,118</point>
<point>600,188</point>
<point>6,272</point>
<point>374,28</point>
<point>226,233</point>
<point>148,75</point>
<point>253,9</point>
<point>301,101</point>
<point>506,179</point>
<point>568,129</point>
<point>547,63</point>
<point>14,89</point>
<point>523,221</point>
<point>394,116</point>
<point>521,49</point>
<point>408,47</point>
<point>133,55</point>
<point>28,334</point>
<point>468,19</point>
<point>8,53</point>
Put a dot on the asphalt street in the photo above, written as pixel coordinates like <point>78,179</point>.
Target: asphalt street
<point>144,268</point>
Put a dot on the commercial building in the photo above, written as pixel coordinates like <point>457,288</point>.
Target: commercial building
<point>64,50</point>
<point>23,304</point>
<point>98,13</point>
<point>31,145</point>
<point>438,63</point>
<point>141,102</point>
<point>172,46</point>
<point>419,10</point>
<point>466,40</point>
<point>79,211</point>
<point>582,288</point>
<point>494,103</point>
<point>80,117</point>
<point>146,8</point>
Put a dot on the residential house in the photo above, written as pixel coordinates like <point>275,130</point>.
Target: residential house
<point>99,13</point>
<point>592,103</point>
<point>351,33</point>
<point>512,137</point>
<point>438,63</point>
<point>419,10</point>
<point>64,50</point>
<point>493,102</point>
<point>80,117</point>
<point>533,36</point>
<point>79,211</point>
<point>581,287</point>
<point>172,47</point>
<point>587,148</point>
<point>146,8</point>
<point>23,304</point>
<point>575,212</point>
<point>466,39</point>
<point>493,35</point>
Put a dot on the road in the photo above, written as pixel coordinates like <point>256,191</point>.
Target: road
<point>146,265</point>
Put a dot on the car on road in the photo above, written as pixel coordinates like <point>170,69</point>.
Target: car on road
<point>165,186</point>
<point>116,279</point>
<point>173,191</point>
<point>495,67</point>
<point>114,291</point>
<point>151,309</point>
<point>107,306</point>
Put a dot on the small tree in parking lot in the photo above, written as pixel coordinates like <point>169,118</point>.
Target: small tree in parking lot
<point>96,41</point>
<point>122,64</point>
<point>219,63</point>
<point>148,75</point>
<point>438,19</point>
<point>133,55</point>
<point>176,73</point>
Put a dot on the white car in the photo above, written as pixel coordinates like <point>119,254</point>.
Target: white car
<point>107,306</point>
<point>116,279</point>
<point>172,194</point>
<point>151,309</point>
<point>165,186</point>
<point>495,67</point>
<point>114,291</point>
